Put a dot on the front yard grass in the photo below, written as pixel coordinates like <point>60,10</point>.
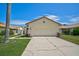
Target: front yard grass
<point>1,37</point>
<point>71,38</point>
<point>14,48</point>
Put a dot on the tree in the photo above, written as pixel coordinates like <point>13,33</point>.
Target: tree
<point>7,29</point>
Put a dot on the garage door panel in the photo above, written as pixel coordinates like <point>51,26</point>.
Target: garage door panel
<point>43,33</point>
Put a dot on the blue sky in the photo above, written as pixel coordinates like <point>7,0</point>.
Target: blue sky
<point>60,12</point>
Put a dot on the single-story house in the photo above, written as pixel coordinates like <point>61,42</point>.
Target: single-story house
<point>69,28</point>
<point>43,26</point>
<point>16,29</point>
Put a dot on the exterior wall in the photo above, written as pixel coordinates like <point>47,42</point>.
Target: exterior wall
<point>24,31</point>
<point>43,27</point>
<point>18,32</point>
<point>14,32</point>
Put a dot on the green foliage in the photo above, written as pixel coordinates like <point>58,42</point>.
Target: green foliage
<point>25,35</point>
<point>2,32</point>
<point>11,32</point>
<point>1,38</point>
<point>75,31</point>
<point>66,31</point>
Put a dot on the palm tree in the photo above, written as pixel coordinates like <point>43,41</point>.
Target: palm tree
<point>7,23</point>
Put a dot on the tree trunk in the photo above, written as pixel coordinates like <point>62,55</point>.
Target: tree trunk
<point>7,28</point>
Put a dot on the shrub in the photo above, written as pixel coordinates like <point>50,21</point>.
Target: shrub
<point>58,34</point>
<point>2,32</point>
<point>11,32</point>
<point>75,31</point>
<point>26,35</point>
<point>66,31</point>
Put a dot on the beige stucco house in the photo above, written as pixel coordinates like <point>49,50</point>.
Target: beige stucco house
<point>43,26</point>
<point>17,30</point>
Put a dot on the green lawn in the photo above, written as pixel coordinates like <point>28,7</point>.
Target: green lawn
<point>14,48</point>
<point>1,37</point>
<point>71,38</point>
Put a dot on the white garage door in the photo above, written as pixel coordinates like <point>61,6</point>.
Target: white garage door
<point>44,32</point>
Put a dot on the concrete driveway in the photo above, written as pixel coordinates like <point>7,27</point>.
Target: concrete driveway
<point>50,46</point>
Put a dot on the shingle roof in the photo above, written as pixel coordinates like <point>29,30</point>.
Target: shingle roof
<point>71,26</point>
<point>11,27</point>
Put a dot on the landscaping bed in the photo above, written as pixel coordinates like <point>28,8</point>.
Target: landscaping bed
<point>71,38</point>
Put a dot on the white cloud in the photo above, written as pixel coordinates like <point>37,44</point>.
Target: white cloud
<point>75,20</point>
<point>64,23</point>
<point>53,17</point>
<point>18,22</point>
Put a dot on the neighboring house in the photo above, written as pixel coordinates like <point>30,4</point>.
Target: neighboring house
<point>16,29</point>
<point>43,26</point>
<point>69,28</point>
<point>2,26</point>
<point>24,30</point>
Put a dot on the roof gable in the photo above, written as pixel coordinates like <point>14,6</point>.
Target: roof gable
<point>43,17</point>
